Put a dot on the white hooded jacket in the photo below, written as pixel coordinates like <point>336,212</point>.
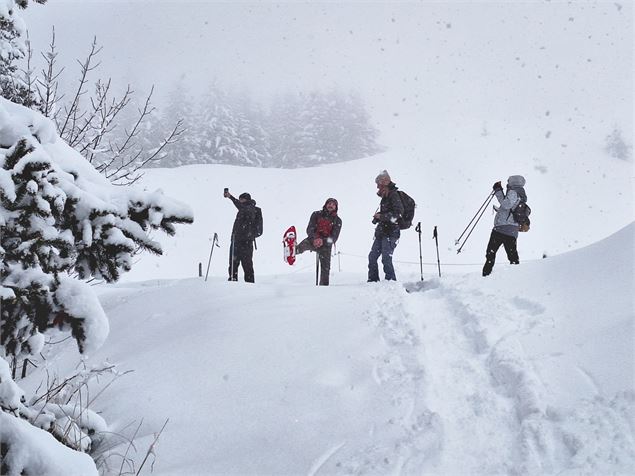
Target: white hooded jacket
<point>504,219</point>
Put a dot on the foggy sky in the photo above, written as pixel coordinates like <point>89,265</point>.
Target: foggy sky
<point>415,63</point>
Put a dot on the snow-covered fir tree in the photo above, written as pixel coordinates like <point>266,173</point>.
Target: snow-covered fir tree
<point>254,137</point>
<point>179,107</point>
<point>219,130</point>
<point>62,222</point>
<point>12,49</point>
<point>288,140</point>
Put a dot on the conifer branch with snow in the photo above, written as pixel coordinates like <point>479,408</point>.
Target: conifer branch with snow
<point>58,216</point>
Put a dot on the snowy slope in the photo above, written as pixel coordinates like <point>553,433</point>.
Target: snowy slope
<point>573,205</point>
<point>529,371</point>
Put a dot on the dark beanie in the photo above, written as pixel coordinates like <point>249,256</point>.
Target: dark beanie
<point>245,195</point>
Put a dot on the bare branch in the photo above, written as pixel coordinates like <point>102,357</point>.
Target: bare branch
<point>85,67</point>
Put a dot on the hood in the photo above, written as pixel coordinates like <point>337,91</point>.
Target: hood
<point>516,181</point>
<point>331,200</point>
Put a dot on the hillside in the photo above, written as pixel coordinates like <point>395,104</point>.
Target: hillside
<point>529,371</point>
<point>572,205</point>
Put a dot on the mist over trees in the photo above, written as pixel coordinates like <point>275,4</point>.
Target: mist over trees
<point>294,130</point>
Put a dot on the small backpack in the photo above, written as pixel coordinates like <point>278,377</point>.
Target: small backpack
<point>521,216</point>
<point>257,224</point>
<point>409,206</point>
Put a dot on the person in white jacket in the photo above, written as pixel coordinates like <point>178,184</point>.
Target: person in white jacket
<point>505,231</point>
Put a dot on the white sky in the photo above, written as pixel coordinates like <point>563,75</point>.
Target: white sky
<point>414,62</point>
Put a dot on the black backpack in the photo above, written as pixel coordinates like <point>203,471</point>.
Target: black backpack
<point>257,224</point>
<point>521,214</point>
<point>409,206</point>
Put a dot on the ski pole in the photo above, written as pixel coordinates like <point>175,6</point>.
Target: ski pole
<point>211,252</point>
<point>436,238</point>
<point>317,267</point>
<point>475,223</point>
<point>418,230</point>
<point>484,205</point>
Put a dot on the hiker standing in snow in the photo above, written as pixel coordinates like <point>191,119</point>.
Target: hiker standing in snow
<point>505,231</point>
<point>323,230</point>
<point>387,231</point>
<point>244,233</point>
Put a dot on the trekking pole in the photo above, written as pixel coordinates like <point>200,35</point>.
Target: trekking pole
<point>211,252</point>
<point>317,267</point>
<point>436,238</point>
<point>475,223</point>
<point>231,255</point>
<point>484,205</point>
<point>418,230</point>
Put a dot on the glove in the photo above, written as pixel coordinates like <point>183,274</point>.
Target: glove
<point>317,242</point>
<point>497,187</point>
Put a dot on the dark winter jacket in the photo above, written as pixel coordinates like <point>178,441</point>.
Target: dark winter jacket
<point>325,225</point>
<point>245,222</point>
<point>390,210</point>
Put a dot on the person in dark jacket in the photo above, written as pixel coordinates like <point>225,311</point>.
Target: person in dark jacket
<point>241,250</point>
<point>387,231</point>
<point>323,231</point>
<point>505,231</point>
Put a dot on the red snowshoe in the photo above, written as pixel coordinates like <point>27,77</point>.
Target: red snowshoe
<point>289,243</point>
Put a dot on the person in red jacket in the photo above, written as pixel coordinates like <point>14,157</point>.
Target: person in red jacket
<point>323,230</point>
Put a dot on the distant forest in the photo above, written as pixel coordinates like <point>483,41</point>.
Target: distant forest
<point>295,130</point>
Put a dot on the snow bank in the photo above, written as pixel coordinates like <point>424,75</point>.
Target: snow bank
<point>33,451</point>
<point>528,371</point>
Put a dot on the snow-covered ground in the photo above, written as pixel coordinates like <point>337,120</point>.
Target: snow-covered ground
<point>527,372</point>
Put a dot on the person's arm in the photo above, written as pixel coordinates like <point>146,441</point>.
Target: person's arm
<point>312,226</point>
<point>235,201</point>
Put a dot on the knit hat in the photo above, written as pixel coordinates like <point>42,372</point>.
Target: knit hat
<point>383,178</point>
<point>245,196</point>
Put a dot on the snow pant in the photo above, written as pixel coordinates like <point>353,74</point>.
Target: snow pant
<point>241,252</point>
<point>324,255</point>
<point>497,239</point>
<point>384,246</point>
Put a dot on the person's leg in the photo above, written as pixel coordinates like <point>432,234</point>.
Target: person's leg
<point>325,265</point>
<point>304,245</point>
<point>511,248</point>
<point>388,246</point>
<point>246,258</point>
<point>373,256</point>
<point>233,265</point>
<point>495,241</point>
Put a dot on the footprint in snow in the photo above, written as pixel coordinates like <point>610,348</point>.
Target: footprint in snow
<point>531,307</point>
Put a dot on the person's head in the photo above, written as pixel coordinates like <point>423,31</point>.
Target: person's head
<point>331,205</point>
<point>244,197</point>
<point>383,180</point>
<point>516,181</point>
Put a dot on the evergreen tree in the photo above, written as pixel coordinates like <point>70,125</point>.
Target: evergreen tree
<point>287,135</point>
<point>251,119</point>
<point>61,218</point>
<point>219,130</point>
<point>180,107</point>
<point>12,49</point>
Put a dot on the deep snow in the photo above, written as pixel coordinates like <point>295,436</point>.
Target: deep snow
<point>529,371</point>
